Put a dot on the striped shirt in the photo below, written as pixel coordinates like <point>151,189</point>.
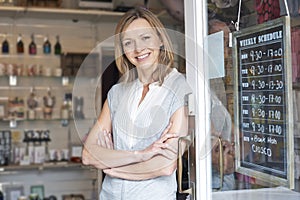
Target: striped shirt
<point>136,125</point>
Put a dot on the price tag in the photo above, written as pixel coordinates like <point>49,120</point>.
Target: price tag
<point>65,80</point>
<point>12,80</point>
<point>13,123</point>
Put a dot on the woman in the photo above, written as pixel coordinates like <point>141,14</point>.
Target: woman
<point>135,138</point>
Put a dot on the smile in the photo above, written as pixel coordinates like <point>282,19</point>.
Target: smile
<point>142,56</point>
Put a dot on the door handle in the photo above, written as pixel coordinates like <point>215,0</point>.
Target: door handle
<point>221,163</point>
<point>189,139</point>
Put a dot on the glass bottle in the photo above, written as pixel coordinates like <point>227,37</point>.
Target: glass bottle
<point>57,47</point>
<point>20,44</point>
<point>5,46</point>
<point>32,46</point>
<point>47,46</point>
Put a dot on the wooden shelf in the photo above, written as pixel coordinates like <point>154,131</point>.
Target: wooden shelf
<point>91,15</point>
<point>41,167</point>
<point>59,13</point>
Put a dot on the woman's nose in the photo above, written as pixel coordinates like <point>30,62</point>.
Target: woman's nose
<point>139,46</point>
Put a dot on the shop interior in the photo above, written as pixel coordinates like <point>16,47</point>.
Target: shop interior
<point>43,45</point>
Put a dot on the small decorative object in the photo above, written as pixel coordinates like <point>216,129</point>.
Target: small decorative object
<point>3,108</point>
<point>32,104</point>
<point>33,196</point>
<point>5,147</point>
<point>32,46</point>
<point>57,47</point>
<point>47,46</point>
<point>16,108</point>
<point>78,108</point>
<point>5,46</point>
<point>73,197</point>
<point>13,192</point>
<point>49,102</point>
<point>20,45</point>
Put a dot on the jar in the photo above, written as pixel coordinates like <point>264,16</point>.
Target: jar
<point>33,196</point>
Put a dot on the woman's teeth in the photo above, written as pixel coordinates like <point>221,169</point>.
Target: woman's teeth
<point>143,56</point>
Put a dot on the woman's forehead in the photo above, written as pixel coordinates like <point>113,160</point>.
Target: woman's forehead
<point>138,27</point>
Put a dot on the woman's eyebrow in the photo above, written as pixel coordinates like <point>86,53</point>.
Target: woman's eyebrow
<point>140,35</point>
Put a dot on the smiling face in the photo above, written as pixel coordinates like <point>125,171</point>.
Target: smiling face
<point>141,45</point>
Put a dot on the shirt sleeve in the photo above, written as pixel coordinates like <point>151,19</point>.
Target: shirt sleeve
<point>181,90</point>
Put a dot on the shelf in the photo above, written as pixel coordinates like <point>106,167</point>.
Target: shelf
<point>75,15</point>
<point>59,13</point>
<point>40,82</point>
<point>23,56</point>
<point>41,167</point>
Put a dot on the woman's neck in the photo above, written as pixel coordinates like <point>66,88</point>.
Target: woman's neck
<point>146,76</point>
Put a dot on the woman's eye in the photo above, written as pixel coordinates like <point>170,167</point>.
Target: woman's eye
<point>146,38</point>
<point>127,43</point>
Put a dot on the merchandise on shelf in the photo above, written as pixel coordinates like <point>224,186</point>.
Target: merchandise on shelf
<point>32,46</point>
<point>49,103</point>
<point>47,46</point>
<point>57,47</point>
<point>5,147</point>
<point>20,45</point>
<point>5,46</point>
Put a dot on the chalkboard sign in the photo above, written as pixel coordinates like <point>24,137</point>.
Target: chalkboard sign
<point>263,104</point>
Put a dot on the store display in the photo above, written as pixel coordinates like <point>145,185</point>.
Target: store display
<point>32,46</point>
<point>20,44</point>
<point>5,46</point>
<point>47,46</point>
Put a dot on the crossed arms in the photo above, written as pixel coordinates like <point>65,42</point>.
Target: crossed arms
<point>158,159</point>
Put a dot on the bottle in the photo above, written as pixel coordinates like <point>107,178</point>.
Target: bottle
<point>32,46</point>
<point>20,45</point>
<point>47,46</point>
<point>65,110</point>
<point>5,46</point>
<point>57,47</point>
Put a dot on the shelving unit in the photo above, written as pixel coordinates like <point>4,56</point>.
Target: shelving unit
<point>59,13</point>
<point>42,167</point>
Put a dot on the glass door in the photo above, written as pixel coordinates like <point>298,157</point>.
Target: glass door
<point>244,73</point>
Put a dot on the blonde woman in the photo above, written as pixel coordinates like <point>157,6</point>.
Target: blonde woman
<point>135,138</point>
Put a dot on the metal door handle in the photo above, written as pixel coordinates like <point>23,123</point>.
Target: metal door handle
<point>189,139</point>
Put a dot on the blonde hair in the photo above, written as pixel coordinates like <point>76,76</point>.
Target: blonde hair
<point>166,56</point>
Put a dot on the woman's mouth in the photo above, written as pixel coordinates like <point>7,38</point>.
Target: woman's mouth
<point>142,57</point>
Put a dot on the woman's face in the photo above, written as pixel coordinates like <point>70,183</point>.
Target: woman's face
<point>141,44</point>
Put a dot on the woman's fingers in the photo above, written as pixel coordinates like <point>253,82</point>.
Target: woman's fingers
<point>167,136</point>
<point>101,139</point>
<point>105,139</point>
<point>108,140</point>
